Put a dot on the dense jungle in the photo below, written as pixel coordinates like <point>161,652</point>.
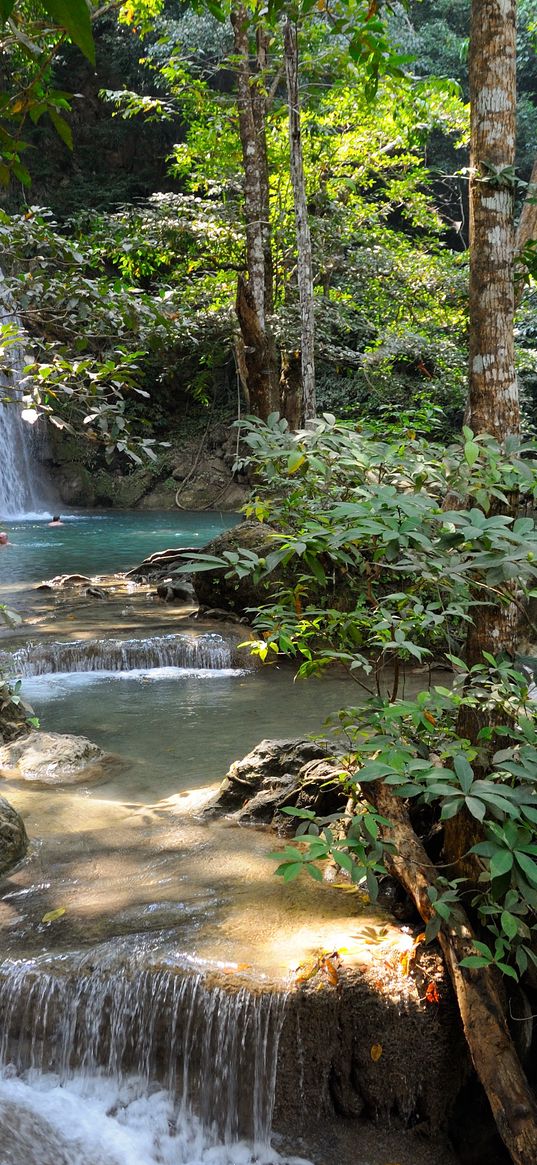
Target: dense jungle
<point>268,582</point>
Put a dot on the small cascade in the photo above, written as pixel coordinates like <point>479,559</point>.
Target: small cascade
<point>204,652</point>
<point>212,1049</point>
<point>19,489</point>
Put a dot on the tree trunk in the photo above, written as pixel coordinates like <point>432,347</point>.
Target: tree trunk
<point>291,389</point>
<point>303,238</point>
<point>257,355</point>
<point>492,1050</point>
<point>255,298</point>
<point>493,403</point>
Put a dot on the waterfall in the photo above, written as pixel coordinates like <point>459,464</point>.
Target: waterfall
<point>90,1015</point>
<point>207,651</point>
<point>19,487</point>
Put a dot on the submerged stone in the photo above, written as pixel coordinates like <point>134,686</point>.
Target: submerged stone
<point>52,758</point>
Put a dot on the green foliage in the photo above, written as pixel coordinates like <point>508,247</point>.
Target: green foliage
<point>364,522</point>
<point>31,34</point>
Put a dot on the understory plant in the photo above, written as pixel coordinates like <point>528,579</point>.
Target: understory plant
<point>391,545</point>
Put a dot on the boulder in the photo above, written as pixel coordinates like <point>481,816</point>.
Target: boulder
<point>213,589</point>
<point>177,590</point>
<point>232,594</point>
<point>160,564</point>
<point>277,773</point>
<point>52,758</point>
<point>13,838</point>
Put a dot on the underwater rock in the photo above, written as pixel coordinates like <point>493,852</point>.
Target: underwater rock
<point>53,758</point>
<point>13,837</point>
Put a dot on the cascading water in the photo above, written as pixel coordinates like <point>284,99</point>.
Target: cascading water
<point>208,651</point>
<point>20,492</point>
<point>154,1048</point>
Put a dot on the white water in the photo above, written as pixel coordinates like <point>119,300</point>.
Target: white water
<point>20,494</point>
<point>207,651</point>
<point>94,1121</point>
<point>114,1063</point>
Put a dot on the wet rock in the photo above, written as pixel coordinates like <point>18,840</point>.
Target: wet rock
<point>160,564</point>
<point>13,838</point>
<point>176,591</point>
<point>278,773</point>
<point>96,593</point>
<point>63,581</point>
<point>52,758</point>
<point>412,1082</point>
<point>220,615</point>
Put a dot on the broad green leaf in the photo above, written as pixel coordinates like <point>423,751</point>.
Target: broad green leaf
<point>74,17</point>
<point>6,8</point>
<point>291,871</point>
<point>509,924</point>
<point>528,866</point>
<point>63,129</point>
<point>475,807</point>
<point>501,862</point>
<point>471,453</point>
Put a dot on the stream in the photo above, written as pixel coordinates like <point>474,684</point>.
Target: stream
<point>141,1025</point>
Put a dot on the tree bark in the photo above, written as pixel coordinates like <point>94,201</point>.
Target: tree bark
<point>493,398</point>
<point>493,404</point>
<point>492,1050</point>
<point>257,356</point>
<point>255,298</point>
<point>303,237</point>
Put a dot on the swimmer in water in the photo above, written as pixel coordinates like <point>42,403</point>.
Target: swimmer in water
<point>4,540</point>
<point>56,521</point>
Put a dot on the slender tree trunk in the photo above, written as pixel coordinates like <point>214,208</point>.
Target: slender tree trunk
<point>303,238</point>
<point>259,110</point>
<point>257,363</point>
<point>494,406</point>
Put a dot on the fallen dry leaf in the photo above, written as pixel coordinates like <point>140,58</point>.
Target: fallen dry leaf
<point>52,915</point>
<point>376,1052</point>
<point>431,993</point>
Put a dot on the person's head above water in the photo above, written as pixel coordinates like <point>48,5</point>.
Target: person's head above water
<point>4,540</point>
<point>56,521</point>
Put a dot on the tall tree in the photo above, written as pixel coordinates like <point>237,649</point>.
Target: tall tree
<point>303,236</point>
<point>256,353</point>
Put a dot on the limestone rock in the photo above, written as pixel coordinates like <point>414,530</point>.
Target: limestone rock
<point>231,594</point>
<point>177,590</point>
<point>278,773</point>
<point>52,758</point>
<point>13,838</point>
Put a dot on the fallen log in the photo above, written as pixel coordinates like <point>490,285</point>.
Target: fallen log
<point>491,1047</point>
